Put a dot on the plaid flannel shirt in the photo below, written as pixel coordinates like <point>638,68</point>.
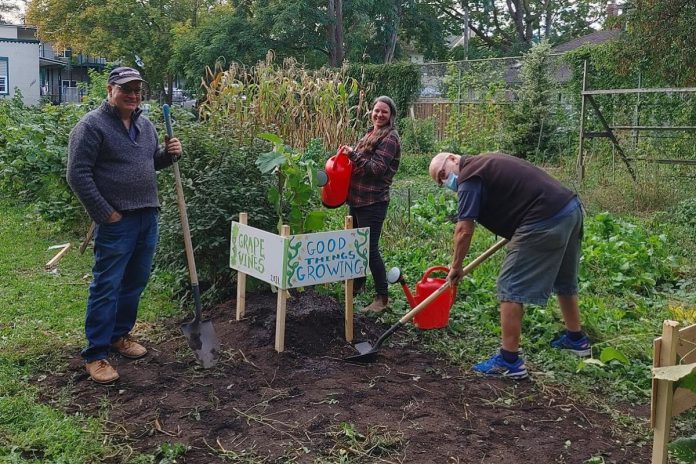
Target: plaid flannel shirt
<point>373,171</point>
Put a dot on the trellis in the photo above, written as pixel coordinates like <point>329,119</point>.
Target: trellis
<point>609,131</point>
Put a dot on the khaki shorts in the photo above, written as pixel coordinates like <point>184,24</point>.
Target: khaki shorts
<point>542,258</point>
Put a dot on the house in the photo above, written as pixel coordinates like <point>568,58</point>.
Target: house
<point>61,73</point>
<point>19,63</point>
<point>38,71</point>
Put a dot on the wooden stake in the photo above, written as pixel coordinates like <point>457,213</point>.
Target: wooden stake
<point>281,307</point>
<point>88,237</point>
<point>241,281</point>
<point>662,405</point>
<point>54,261</point>
<point>349,292</point>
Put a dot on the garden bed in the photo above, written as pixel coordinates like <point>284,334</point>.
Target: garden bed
<point>308,405</point>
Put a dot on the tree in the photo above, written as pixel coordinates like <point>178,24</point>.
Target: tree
<point>137,33</point>
<point>661,37</point>
<point>512,26</point>
<point>531,121</point>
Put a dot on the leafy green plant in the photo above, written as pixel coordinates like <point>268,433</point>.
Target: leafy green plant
<point>296,183</point>
<point>475,122</point>
<point>417,135</point>
<point>219,181</point>
<point>400,81</point>
<point>33,158</point>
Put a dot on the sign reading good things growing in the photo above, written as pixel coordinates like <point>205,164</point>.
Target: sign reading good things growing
<point>299,260</point>
<point>327,257</point>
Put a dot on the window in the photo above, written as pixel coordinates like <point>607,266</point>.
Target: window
<point>66,83</point>
<point>4,68</point>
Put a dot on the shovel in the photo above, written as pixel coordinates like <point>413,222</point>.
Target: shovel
<point>368,352</point>
<point>199,334</point>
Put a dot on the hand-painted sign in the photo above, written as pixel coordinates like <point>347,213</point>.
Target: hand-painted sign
<point>327,257</point>
<point>258,253</point>
<point>299,260</point>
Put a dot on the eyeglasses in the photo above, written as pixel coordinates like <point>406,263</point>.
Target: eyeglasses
<point>137,91</point>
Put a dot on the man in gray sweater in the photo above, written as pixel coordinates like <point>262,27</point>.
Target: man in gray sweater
<point>113,154</point>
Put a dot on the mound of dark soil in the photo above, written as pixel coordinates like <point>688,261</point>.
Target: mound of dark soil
<point>308,405</point>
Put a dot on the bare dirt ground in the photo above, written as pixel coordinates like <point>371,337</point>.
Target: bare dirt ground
<point>308,405</point>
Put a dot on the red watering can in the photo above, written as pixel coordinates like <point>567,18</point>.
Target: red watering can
<point>338,170</point>
<point>436,315</point>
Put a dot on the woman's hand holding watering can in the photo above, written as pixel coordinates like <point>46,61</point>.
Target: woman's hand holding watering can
<point>347,149</point>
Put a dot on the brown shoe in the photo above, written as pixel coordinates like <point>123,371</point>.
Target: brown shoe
<point>129,348</point>
<point>101,371</point>
<point>378,305</point>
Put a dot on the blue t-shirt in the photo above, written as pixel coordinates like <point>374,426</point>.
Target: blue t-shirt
<point>470,195</point>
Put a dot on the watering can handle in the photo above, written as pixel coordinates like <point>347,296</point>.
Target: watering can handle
<point>444,269</point>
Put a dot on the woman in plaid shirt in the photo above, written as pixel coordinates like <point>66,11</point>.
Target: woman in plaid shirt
<point>375,161</point>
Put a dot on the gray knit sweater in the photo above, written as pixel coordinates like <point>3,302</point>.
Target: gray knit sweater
<point>107,170</point>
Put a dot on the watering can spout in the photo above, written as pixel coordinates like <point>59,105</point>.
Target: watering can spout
<point>393,276</point>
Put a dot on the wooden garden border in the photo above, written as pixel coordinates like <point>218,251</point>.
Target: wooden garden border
<point>676,346</point>
<point>283,296</point>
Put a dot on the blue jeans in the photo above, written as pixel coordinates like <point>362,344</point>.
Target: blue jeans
<point>373,216</point>
<point>123,253</point>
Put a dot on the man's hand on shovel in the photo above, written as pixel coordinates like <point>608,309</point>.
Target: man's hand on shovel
<point>172,146</point>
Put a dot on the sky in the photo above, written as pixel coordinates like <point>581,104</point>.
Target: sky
<point>16,18</point>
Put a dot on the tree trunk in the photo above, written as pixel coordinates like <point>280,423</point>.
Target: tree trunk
<point>331,33</point>
<point>390,46</point>
<point>340,54</point>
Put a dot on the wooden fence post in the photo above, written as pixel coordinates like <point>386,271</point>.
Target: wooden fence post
<point>665,354</point>
<point>349,295</point>
<point>281,307</point>
<point>241,281</point>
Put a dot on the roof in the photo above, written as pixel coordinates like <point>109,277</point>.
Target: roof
<point>593,38</point>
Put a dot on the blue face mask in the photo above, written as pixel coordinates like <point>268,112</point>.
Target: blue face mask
<point>451,182</point>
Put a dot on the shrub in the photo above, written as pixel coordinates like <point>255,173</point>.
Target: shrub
<point>219,182</point>
<point>33,158</point>
<point>531,123</point>
<point>417,135</point>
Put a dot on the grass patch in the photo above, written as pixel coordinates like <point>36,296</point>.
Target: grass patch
<point>41,323</point>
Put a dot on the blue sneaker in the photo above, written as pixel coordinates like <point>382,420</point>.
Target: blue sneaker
<point>497,366</point>
<point>581,348</point>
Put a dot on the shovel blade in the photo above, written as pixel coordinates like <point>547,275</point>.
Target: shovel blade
<point>203,341</point>
<point>367,353</point>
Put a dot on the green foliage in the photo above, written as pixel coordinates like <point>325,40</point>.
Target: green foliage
<point>417,135</point>
<point>400,81</point>
<point>669,25</point>
<point>295,186</point>
<point>475,122</point>
<point>33,158</point>
<point>530,123</point>
<point>219,181</point>
<point>167,453</point>
<point>684,449</point>
<point>96,87</point>
<point>620,257</point>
